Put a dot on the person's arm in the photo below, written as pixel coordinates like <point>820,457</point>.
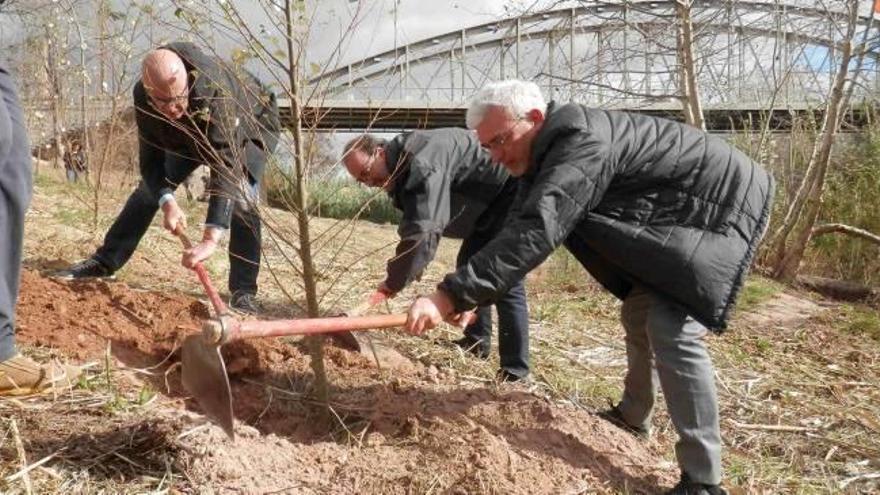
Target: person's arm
<point>571,180</point>
<point>151,158</point>
<point>226,154</point>
<point>151,162</point>
<point>425,202</point>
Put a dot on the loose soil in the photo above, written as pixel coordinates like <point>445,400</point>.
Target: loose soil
<point>401,427</point>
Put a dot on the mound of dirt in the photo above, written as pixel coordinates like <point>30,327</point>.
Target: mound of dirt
<point>80,318</point>
<point>403,429</point>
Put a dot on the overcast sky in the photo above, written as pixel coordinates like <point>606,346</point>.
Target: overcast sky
<point>416,19</point>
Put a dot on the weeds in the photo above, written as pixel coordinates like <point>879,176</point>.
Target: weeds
<point>756,291</point>
<point>861,321</point>
<point>334,198</point>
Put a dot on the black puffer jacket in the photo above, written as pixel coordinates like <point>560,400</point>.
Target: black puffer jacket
<point>636,199</point>
<point>445,184</point>
<point>231,125</point>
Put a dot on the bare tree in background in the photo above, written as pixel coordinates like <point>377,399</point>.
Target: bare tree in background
<point>687,67</point>
<point>117,73</point>
<point>45,64</point>
<point>790,240</point>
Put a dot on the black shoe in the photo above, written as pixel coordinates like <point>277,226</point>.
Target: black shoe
<point>615,417</point>
<point>506,376</point>
<point>688,487</point>
<point>244,302</point>
<point>87,268</point>
<point>477,347</point>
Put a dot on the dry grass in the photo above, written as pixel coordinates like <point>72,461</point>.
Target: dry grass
<point>799,392</point>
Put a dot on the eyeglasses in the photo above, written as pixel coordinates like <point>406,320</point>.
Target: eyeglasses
<point>165,102</point>
<point>365,175</point>
<point>501,138</point>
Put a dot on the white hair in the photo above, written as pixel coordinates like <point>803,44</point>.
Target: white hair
<point>515,96</point>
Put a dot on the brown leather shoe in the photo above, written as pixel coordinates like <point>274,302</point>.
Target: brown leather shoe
<point>23,376</point>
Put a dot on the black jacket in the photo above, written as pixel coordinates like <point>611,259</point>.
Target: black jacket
<point>636,199</point>
<point>231,124</point>
<point>445,184</point>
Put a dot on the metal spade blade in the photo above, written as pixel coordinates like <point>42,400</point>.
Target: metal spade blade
<point>204,376</point>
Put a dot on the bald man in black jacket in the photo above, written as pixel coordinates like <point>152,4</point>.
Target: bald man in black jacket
<point>193,109</point>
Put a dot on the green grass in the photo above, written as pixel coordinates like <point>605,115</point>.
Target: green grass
<point>563,270</point>
<point>757,290</point>
<point>860,320</point>
<point>345,199</point>
<point>73,217</point>
<point>335,198</point>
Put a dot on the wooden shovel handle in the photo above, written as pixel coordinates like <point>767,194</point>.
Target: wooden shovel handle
<point>210,291</point>
<point>309,326</point>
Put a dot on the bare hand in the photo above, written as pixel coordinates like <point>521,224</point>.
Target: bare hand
<point>382,294</point>
<point>462,320</point>
<point>376,298</point>
<point>198,253</point>
<point>427,312</point>
<point>174,217</point>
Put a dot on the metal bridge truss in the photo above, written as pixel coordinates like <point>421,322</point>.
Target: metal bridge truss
<point>621,55</point>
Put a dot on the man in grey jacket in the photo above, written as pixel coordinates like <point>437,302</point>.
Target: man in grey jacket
<point>193,109</point>
<point>663,215</point>
<point>446,185</point>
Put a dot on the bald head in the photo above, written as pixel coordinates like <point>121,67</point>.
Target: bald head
<point>165,80</point>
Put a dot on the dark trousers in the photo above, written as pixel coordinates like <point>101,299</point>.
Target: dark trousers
<point>513,315</point>
<point>137,215</point>
<point>15,196</point>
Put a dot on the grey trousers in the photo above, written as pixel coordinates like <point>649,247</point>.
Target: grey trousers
<point>661,336</point>
<point>15,196</point>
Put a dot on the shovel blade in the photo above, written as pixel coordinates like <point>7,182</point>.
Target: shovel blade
<point>204,376</point>
<point>350,341</point>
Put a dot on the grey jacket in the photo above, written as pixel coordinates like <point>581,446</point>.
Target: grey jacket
<point>638,200</point>
<point>446,185</point>
<point>232,124</point>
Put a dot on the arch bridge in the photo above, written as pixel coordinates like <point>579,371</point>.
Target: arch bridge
<point>751,56</point>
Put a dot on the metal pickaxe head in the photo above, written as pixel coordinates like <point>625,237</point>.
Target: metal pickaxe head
<point>204,376</point>
<point>204,372</point>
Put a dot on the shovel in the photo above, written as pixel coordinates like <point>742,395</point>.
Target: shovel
<point>203,369</point>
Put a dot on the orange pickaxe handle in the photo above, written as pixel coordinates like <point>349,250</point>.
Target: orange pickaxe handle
<point>210,291</point>
<point>229,329</point>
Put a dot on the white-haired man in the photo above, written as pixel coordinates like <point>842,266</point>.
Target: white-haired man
<point>664,216</point>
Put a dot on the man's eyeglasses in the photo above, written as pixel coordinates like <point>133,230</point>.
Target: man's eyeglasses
<point>364,175</point>
<point>501,138</point>
<point>164,102</point>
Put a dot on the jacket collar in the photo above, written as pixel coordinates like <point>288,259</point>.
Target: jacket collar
<point>559,120</point>
<point>396,158</point>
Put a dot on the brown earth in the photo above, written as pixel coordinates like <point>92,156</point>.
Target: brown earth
<point>395,429</point>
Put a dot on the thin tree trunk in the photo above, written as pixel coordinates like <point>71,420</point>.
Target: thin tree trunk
<point>693,109</point>
<point>55,96</point>
<point>108,138</point>
<point>314,344</point>
<point>84,82</point>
